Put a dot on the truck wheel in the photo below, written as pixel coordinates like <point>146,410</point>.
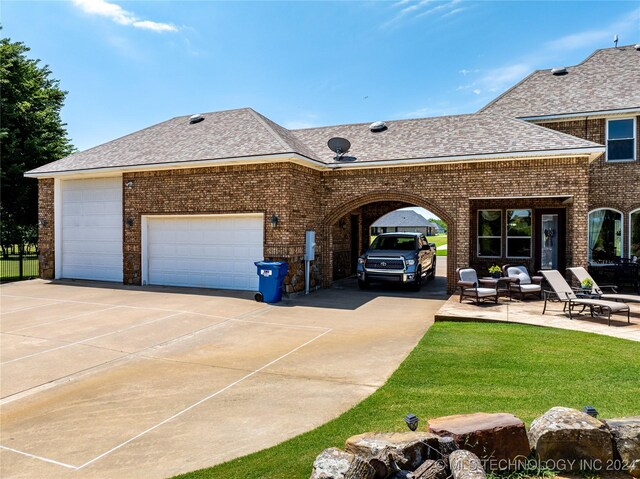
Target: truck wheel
<point>432,273</point>
<point>417,283</point>
<point>363,284</point>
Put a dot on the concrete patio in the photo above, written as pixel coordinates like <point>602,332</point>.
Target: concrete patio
<point>530,312</point>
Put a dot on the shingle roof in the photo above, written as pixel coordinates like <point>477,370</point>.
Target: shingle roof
<point>405,218</point>
<point>440,137</point>
<point>607,80</point>
<point>245,133</point>
<point>224,134</point>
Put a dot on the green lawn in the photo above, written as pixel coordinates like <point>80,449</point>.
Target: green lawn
<point>469,367</point>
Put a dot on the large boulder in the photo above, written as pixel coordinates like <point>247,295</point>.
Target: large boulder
<point>388,452</point>
<point>498,439</point>
<point>430,469</point>
<point>626,438</point>
<point>333,463</point>
<point>465,465</point>
<point>568,439</point>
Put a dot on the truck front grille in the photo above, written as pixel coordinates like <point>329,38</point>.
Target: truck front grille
<point>384,263</point>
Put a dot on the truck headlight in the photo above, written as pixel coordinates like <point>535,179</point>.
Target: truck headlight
<point>361,260</point>
<point>410,262</point>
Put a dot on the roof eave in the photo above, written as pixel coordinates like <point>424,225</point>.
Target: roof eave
<point>619,111</point>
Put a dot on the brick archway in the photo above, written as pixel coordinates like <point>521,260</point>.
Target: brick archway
<point>334,215</point>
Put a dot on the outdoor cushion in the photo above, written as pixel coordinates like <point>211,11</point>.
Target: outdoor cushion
<point>530,287</point>
<point>519,272</point>
<point>482,292</point>
<point>468,274</point>
<point>629,298</point>
<point>612,305</point>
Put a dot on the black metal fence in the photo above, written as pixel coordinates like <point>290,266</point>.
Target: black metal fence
<point>19,263</point>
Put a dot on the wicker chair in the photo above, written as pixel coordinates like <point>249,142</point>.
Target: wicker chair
<point>473,289</point>
<point>522,284</point>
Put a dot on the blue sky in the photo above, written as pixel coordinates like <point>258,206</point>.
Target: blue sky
<point>128,65</point>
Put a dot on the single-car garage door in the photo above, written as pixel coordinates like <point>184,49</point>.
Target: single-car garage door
<point>91,213</point>
<point>213,251</point>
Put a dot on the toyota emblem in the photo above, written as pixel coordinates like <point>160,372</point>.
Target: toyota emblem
<point>383,264</point>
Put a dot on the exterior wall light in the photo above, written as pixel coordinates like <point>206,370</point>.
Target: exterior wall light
<point>274,220</point>
<point>129,221</point>
<point>412,421</point>
<point>342,223</point>
<point>43,222</point>
<point>590,410</point>
<point>129,184</point>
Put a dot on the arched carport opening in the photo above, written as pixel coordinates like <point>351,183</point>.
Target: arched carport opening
<point>345,230</point>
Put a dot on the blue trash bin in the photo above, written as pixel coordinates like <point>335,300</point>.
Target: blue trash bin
<point>271,274</point>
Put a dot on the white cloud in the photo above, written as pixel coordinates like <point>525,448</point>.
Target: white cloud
<point>477,91</point>
<point>417,10</point>
<point>121,16</point>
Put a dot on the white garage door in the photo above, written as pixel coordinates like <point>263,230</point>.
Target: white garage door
<point>92,229</point>
<point>216,251</point>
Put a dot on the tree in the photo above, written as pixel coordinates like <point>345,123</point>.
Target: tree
<point>31,134</point>
<point>439,222</point>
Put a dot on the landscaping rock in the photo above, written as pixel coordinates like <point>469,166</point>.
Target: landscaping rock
<point>626,439</point>
<point>466,465</point>
<point>430,469</point>
<point>400,475</point>
<point>570,439</point>
<point>388,452</point>
<point>333,463</point>
<point>446,445</point>
<point>499,439</point>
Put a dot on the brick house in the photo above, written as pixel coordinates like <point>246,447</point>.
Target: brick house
<point>194,201</point>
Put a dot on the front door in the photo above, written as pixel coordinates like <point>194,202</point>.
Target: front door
<point>550,239</point>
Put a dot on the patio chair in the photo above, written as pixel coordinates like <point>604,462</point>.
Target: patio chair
<point>521,283</point>
<point>563,293</point>
<point>477,291</point>
<point>581,274</point>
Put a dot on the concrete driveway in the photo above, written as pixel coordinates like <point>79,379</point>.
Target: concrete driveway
<point>107,381</point>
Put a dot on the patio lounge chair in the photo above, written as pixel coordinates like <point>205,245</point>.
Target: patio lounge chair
<point>581,274</point>
<point>476,290</point>
<point>566,295</point>
<point>521,283</point>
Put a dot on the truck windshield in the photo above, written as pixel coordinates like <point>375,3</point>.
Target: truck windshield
<point>398,243</point>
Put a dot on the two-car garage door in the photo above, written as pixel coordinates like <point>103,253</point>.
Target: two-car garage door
<point>213,251</point>
<point>207,251</point>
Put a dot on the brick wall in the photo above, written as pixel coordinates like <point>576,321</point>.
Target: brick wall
<point>611,185</point>
<point>46,240</point>
<point>307,199</point>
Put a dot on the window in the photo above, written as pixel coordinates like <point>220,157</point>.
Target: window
<point>605,235</point>
<point>634,237</point>
<point>621,141</point>
<point>519,233</point>
<point>489,233</point>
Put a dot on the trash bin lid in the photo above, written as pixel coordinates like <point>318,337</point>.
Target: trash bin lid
<point>270,264</point>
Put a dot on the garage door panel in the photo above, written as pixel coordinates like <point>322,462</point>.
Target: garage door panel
<point>92,229</point>
<point>208,252</point>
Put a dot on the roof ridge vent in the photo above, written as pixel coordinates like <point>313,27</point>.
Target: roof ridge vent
<point>559,71</point>
<point>377,126</point>
<point>197,118</point>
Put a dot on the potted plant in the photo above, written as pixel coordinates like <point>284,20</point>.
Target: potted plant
<point>495,271</point>
<point>586,284</point>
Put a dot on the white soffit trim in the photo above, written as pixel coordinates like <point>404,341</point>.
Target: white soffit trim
<point>591,152</point>
<point>589,114</point>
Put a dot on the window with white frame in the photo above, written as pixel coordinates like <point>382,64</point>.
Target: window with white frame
<point>621,139</point>
<point>489,233</point>
<point>519,233</point>
<point>634,233</point>
<point>605,235</point>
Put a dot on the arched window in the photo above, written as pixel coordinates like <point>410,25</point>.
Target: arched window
<point>634,233</point>
<point>605,235</point>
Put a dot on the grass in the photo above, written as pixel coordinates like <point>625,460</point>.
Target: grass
<point>463,368</point>
<point>10,267</point>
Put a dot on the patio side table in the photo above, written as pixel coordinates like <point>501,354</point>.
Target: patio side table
<point>502,285</point>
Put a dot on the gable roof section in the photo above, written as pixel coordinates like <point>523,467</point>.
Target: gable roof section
<point>443,137</point>
<point>244,135</point>
<point>608,80</point>
<point>404,218</point>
